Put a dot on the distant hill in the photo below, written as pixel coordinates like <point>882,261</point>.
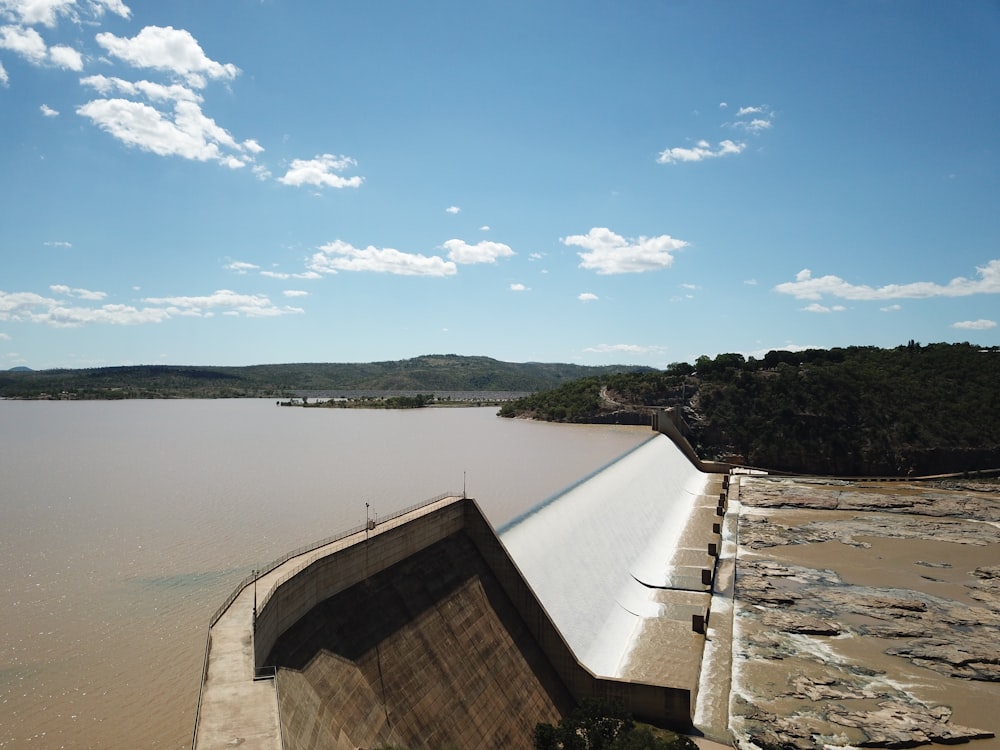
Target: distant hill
<point>22,368</point>
<point>427,374</point>
<point>858,411</point>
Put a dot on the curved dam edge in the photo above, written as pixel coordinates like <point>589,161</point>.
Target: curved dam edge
<point>600,554</point>
<point>648,522</point>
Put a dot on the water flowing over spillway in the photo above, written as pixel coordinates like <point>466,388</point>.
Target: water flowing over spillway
<point>600,554</point>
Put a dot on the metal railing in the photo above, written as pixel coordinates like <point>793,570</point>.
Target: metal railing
<point>274,564</point>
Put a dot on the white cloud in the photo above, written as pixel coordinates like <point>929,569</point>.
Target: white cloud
<point>761,118</point>
<point>35,11</point>
<point>79,293</point>
<point>156,92</point>
<point>58,244</point>
<point>241,267</point>
<point>46,12</point>
<point>806,286</point>
<point>282,275</point>
<point>536,256</point>
<point>340,256</point>
<point>452,209</point>
<point>27,43</point>
<point>723,105</point>
<point>751,282</point>
<point>815,307</point>
<point>482,252</point>
<point>587,297</point>
<point>168,49</point>
<point>188,133</point>
<point>321,172</point>
<point>610,253</point>
<point>484,228</point>
<point>5,337</point>
<point>4,78</point>
<point>223,300</point>
<point>891,308</point>
<point>48,111</point>
<point>33,308</point>
<point>975,325</point>
<point>295,293</point>
<point>66,57</point>
<point>627,348</point>
<point>519,288</point>
<point>701,151</point>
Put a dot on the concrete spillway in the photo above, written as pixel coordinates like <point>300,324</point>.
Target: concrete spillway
<point>427,629</point>
<point>619,553</point>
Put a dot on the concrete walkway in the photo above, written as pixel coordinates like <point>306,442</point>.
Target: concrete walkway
<point>235,710</point>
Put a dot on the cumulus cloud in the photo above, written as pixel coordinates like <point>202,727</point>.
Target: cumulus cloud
<point>27,43</point>
<point>891,308</point>
<point>806,286</point>
<point>167,49</point>
<point>186,132</point>
<point>610,253</point>
<point>28,307</point>
<point>587,297</point>
<point>452,209</point>
<point>516,287</point>
<point>321,172</point>
<point>79,293</point>
<point>484,228</point>
<point>341,256</point>
<point>816,307</point>
<point>48,111</point>
<point>58,243</point>
<point>241,267</point>
<point>4,78</point>
<point>701,151</point>
<point>66,58</point>
<point>482,252</point>
<point>975,325</point>
<point>224,301</point>
<point>155,92</point>
<point>295,293</point>
<point>34,308</point>
<point>47,12</point>
<point>282,275</point>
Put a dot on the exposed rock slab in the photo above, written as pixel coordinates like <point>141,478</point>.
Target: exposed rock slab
<point>796,622</point>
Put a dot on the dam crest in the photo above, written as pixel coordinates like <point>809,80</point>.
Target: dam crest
<point>431,629</point>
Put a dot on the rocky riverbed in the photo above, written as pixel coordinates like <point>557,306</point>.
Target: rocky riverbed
<point>867,615</point>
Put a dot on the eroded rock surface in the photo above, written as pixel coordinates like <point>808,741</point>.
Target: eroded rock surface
<point>796,623</point>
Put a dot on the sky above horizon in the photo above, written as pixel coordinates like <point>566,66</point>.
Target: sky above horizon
<point>266,181</point>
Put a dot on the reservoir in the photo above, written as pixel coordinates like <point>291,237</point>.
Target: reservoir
<point>124,524</point>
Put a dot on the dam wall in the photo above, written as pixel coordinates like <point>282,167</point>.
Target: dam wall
<point>430,628</point>
<point>622,550</point>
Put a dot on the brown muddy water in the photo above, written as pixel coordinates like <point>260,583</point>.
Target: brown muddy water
<point>125,524</point>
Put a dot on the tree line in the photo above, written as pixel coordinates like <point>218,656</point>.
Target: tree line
<point>854,411</point>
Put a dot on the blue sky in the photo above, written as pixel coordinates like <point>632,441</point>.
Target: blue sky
<point>259,181</point>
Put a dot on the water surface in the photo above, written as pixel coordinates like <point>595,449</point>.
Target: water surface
<point>125,524</point>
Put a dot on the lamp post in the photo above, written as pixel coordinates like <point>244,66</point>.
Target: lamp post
<point>256,573</point>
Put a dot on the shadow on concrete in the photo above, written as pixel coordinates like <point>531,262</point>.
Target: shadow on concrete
<point>427,653</point>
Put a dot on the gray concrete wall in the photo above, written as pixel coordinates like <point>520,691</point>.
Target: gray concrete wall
<point>294,598</point>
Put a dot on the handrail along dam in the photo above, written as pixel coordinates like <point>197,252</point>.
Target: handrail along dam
<point>431,630</point>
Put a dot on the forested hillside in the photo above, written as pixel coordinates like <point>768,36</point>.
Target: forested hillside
<point>427,374</point>
<point>853,411</point>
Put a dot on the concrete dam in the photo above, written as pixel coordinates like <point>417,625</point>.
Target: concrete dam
<point>429,629</point>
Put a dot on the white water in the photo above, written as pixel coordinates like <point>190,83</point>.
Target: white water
<point>592,553</point>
